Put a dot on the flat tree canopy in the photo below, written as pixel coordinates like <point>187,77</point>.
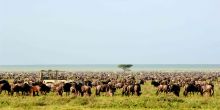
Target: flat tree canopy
<point>125,67</point>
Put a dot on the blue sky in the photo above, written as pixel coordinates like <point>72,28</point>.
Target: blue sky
<point>109,32</point>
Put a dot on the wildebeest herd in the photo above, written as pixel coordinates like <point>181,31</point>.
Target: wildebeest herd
<point>107,83</point>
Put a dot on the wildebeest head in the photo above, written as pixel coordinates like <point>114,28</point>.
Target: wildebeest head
<point>141,81</point>
<point>155,83</point>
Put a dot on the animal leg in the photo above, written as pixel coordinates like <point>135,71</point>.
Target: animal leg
<point>82,94</point>
<point>157,93</point>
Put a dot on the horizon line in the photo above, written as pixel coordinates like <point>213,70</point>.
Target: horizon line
<point>103,64</point>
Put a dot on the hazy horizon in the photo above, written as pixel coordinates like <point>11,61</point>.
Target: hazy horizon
<point>96,64</point>
<point>112,67</point>
<point>57,32</point>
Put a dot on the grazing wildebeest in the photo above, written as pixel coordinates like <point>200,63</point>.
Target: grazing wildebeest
<point>124,90</point>
<point>192,88</point>
<point>79,88</point>
<point>119,85</point>
<point>59,89</point>
<point>44,89</point>
<point>128,89</point>
<point>163,88</point>
<point>75,89</point>
<point>112,89</point>
<point>137,89</point>
<point>175,88</point>
<point>209,88</point>
<point>66,88</point>
<point>5,86</point>
<point>86,90</point>
<point>26,89</point>
<point>35,89</point>
<point>155,83</point>
<point>101,88</point>
<point>107,87</point>
<point>16,87</point>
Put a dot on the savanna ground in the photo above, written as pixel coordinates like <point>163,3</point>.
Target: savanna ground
<point>148,100</point>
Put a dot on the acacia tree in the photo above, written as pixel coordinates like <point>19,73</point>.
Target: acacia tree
<point>125,67</point>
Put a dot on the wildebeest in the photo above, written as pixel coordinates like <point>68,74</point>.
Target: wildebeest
<point>141,81</point>
<point>86,90</point>
<point>101,88</point>
<point>207,88</point>
<point>137,89</point>
<point>16,87</point>
<point>112,89</point>
<point>5,86</point>
<point>155,83</point>
<point>26,89</point>
<point>109,88</point>
<point>124,90</point>
<point>44,89</point>
<point>59,89</point>
<point>175,88</point>
<point>163,88</point>
<point>35,88</point>
<point>192,88</point>
<point>66,88</point>
<point>76,88</point>
<point>131,89</point>
<point>119,85</point>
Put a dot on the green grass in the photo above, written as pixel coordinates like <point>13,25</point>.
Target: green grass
<point>148,100</point>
